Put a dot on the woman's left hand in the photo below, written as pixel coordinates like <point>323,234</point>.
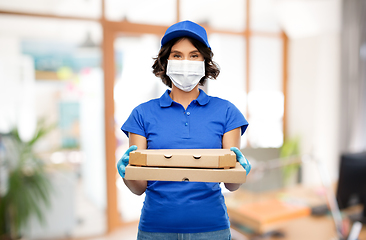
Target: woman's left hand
<point>241,159</point>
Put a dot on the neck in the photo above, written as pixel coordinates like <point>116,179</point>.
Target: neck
<point>182,97</point>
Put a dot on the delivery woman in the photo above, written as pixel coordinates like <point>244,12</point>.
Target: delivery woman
<point>184,117</point>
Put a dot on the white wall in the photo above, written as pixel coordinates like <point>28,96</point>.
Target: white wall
<point>314,100</point>
<point>314,82</point>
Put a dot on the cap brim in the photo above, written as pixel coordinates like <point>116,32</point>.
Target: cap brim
<point>182,33</point>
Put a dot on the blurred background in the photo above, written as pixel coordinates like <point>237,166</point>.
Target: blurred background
<point>71,71</point>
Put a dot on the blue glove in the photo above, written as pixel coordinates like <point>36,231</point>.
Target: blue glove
<point>241,159</point>
<point>123,162</point>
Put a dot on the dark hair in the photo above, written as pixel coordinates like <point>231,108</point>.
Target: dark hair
<point>161,61</point>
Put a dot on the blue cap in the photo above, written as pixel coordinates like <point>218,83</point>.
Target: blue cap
<point>185,29</point>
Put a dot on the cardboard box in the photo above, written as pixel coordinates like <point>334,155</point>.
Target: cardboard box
<point>267,215</point>
<point>198,158</point>
<point>232,175</point>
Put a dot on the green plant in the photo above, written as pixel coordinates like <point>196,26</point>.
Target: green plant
<point>28,186</point>
<point>290,148</point>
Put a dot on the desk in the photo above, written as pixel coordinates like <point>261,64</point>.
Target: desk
<point>302,228</point>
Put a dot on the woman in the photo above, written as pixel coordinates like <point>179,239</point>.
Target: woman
<point>184,118</point>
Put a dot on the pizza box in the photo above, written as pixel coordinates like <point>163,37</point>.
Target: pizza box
<point>198,158</point>
<point>231,175</point>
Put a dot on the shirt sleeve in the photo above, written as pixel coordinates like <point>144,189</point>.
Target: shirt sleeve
<point>134,123</point>
<point>235,119</point>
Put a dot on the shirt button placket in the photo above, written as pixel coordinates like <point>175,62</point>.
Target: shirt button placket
<point>188,113</point>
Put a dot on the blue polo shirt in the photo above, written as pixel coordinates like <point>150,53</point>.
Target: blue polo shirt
<point>184,207</point>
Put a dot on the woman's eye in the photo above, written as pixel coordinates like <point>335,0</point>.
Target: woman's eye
<point>194,56</point>
<point>176,56</point>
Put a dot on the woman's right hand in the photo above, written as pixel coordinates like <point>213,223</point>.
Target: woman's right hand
<point>123,162</point>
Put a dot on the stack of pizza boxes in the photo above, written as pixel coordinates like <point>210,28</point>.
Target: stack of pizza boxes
<point>194,165</point>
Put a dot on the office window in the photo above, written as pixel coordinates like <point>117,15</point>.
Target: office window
<point>134,84</point>
<point>227,15</point>
<point>74,8</point>
<point>157,12</point>
<point>263,16</point>
<point>266,64</point>
<point>48,72</point>
<point>229,54</point>
<point>265,97</point>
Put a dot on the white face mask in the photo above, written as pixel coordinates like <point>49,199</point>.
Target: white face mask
<point>185,74</point>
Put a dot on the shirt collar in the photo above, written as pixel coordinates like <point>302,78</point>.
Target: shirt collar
<point>203,98</point>
<point>166,101</point>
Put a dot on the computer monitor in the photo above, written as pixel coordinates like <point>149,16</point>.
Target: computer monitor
<point>351,188</point>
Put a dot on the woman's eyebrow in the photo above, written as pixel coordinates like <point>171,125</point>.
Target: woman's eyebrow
<point>175,51</point>
<point>195,52</point>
